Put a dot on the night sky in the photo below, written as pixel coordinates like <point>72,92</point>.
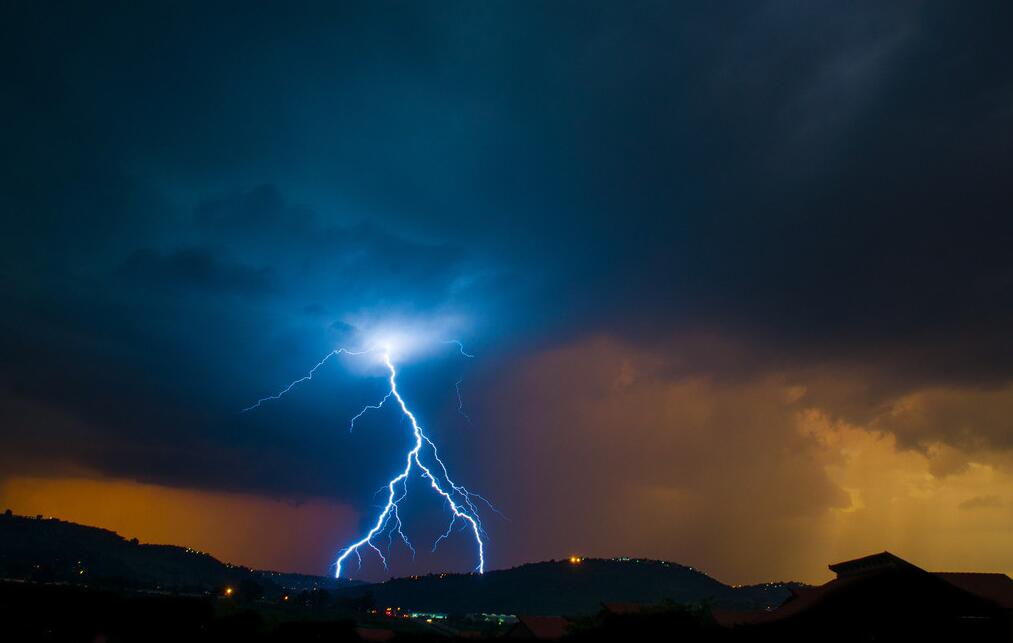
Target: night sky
<point>738,277</point>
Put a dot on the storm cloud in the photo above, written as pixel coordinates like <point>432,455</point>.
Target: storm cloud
<point>713,249</point>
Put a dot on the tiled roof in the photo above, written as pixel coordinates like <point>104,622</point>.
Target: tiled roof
<point>882,560</point>
<point>997,588</point>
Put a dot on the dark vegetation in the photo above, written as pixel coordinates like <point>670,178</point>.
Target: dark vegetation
<point>50,550</point>
<point>65,582</point>
<point>33,612</point>
<point>37,612</point>
<point>562,587</point>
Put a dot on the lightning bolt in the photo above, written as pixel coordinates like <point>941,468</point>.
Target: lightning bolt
<point>460,401</point>
<point>459,500</point>
<point>305,378</point>
<point>460,347</point>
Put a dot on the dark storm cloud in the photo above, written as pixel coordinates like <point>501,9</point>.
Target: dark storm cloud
<point>200,201</point>
<point>157,352</point>
<point>198,268</point>
<point>654,165</point>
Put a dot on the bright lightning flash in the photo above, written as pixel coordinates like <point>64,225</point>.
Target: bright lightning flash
<point>460,501</point>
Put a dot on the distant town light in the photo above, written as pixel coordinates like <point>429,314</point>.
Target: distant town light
<point>575,560</point>
<point>228,591</point>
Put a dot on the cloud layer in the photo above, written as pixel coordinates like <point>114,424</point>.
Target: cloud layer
<point>750,263</point>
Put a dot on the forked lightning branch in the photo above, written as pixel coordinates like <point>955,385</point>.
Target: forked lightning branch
<point>459,501</point>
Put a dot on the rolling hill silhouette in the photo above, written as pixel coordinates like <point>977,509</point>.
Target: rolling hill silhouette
<point>562,587</point>
<point>51,550</point>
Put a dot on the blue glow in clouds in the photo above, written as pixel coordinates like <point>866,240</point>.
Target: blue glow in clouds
<point>459,500</point>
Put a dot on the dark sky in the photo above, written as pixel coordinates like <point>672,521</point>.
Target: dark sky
<point>732,272</point>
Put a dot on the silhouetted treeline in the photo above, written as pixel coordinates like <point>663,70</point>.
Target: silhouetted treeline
<point>48,550</point>
<point>562,587</point>
<point>36,612</point>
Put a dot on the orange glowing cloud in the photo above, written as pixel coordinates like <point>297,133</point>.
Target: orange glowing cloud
<point>751,478</point>
<point>258,531</point>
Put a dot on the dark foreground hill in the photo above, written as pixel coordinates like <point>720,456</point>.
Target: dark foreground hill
<point>564,587</point>
<point>51,550</point>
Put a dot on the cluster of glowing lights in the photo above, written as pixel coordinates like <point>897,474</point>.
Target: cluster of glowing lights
<point>395,612</point>
<point>459,501</point>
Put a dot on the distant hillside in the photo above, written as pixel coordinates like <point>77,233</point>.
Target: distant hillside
<point>569,588</point>
<point>51,550</point>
